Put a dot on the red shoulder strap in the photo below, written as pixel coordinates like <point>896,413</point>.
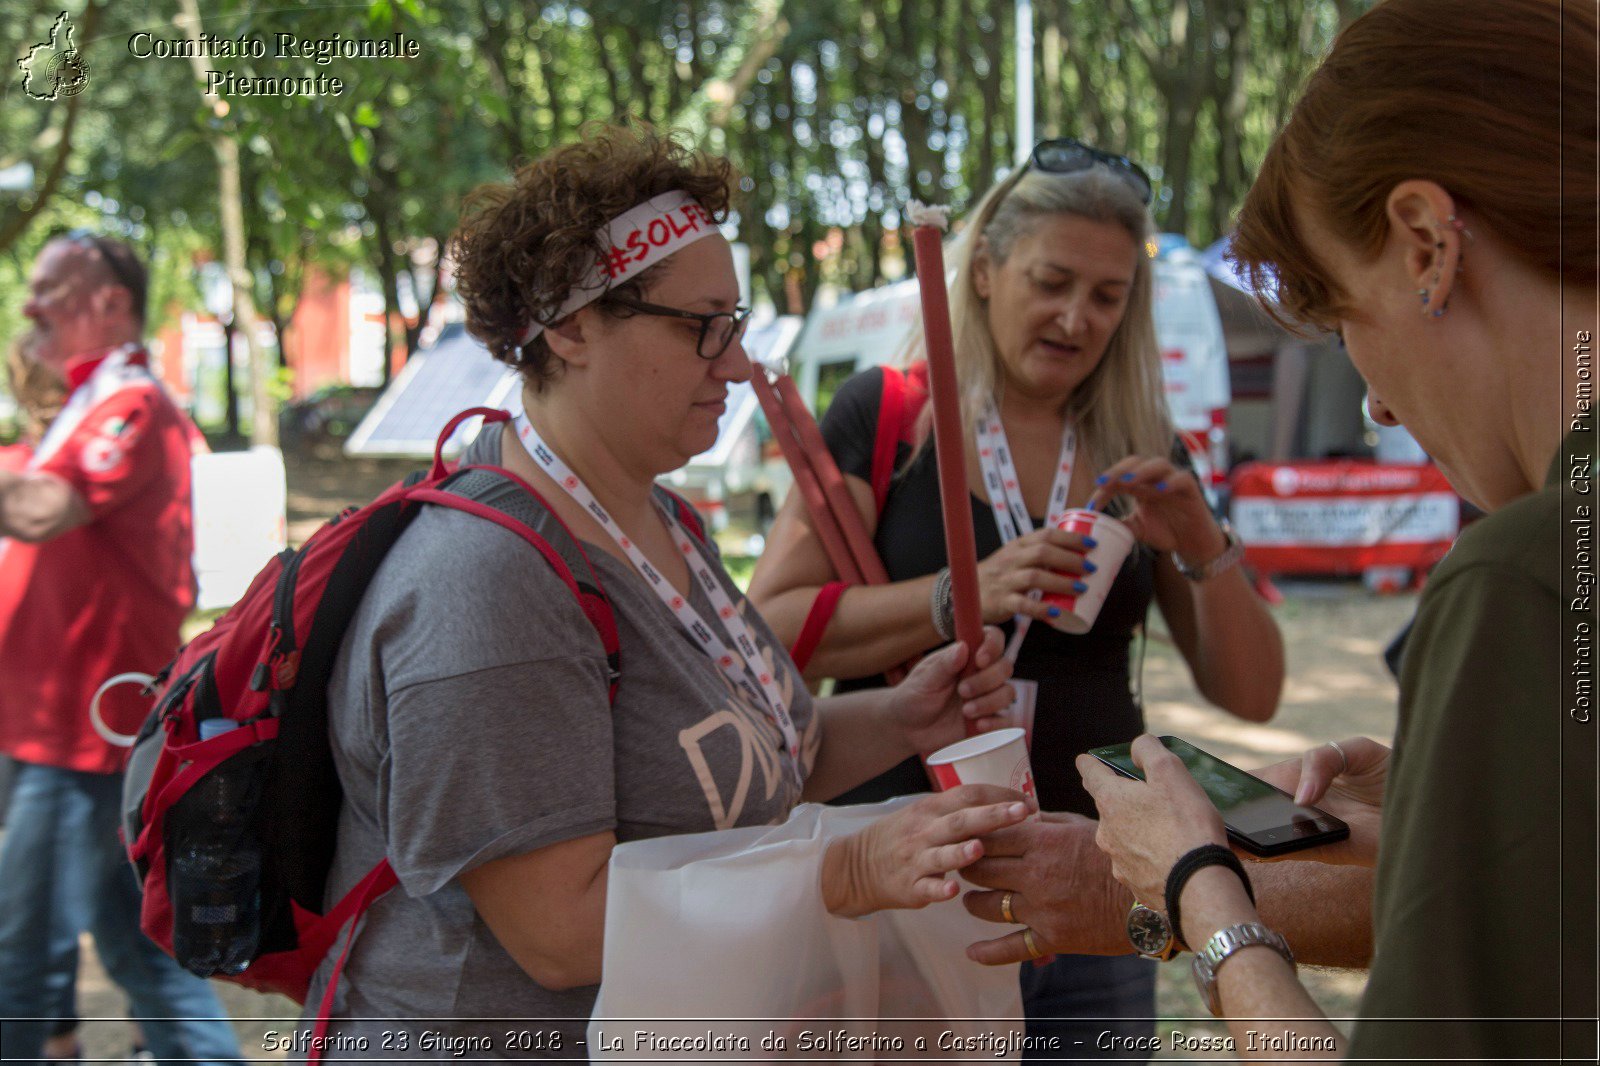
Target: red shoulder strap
<point>916,400</point>
<point>590,594</point>
<point>687,514</point>
<point>891,404</point>
<point>904,396</point>
<point>491,416</point>
<point>816,623</point>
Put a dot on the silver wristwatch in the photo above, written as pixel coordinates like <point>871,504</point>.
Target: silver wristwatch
<point>1222,945</point>
<point>1221,564</point>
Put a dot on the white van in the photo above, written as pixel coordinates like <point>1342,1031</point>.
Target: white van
<point>864,329</point>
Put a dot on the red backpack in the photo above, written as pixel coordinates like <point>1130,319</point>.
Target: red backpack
<point>231,799</point>
<point>904,394</point>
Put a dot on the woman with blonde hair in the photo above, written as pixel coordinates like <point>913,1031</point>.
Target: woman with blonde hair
<point>1432,198</point>
<point>1057,358</point>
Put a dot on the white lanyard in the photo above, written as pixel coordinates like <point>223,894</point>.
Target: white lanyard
<point>742,664</point>
<point>113,375</point>
<point>1005,493</point>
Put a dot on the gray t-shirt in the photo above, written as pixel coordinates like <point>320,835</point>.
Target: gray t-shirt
<point>469,722</point>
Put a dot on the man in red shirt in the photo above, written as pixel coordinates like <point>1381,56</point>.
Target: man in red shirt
<point>95,579</point>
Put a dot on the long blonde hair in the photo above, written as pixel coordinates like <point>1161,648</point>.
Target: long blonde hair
<point>1121,408</point>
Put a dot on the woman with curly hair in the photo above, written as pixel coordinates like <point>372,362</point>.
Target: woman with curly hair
<point>469,709</point>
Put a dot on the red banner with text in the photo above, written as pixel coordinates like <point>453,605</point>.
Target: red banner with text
<point>1343,516</point>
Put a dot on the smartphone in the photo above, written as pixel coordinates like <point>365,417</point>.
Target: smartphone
<point>1260,818</point>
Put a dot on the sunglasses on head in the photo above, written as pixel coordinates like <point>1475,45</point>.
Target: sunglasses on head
<point>125,273</point>
<point>1067,155</point>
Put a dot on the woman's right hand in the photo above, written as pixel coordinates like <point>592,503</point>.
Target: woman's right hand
<point>1047,559</point>
<point>900,861</point>
<point>1349,786</point>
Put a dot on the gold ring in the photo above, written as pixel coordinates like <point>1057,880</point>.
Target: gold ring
<point>1028,942</point>
<point>1344,760</point>
<point>1005,909</point>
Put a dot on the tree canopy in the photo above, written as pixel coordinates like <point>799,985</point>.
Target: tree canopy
<point>835,114</point>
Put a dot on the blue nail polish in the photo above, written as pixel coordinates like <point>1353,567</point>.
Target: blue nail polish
<point>1089,567</point>
<point>1161,486</point>
<point>1079,586</point>
<point>1090,542</point>
<point>1101,480</point>
<point>1128,476</point>
<point>1054,612</point>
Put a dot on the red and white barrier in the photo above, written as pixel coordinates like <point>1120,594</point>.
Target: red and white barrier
<point>1343,516</point>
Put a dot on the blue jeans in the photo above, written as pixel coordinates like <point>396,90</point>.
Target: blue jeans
<point>1095,1006</point>
<point>62,870</point>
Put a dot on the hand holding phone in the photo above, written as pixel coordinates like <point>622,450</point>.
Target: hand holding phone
<point>1260,818</point>
<point>1348,782</point>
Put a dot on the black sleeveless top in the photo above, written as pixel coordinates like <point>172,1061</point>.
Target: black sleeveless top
<point>1085,699</point>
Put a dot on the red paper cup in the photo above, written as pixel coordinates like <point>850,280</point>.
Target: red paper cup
<point>999,758</point>
<point>1113,542</point>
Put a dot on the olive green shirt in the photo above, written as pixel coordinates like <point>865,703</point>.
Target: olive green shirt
<point>1467,923</point>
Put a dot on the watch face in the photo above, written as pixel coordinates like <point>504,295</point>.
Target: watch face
<point>1148,931</point>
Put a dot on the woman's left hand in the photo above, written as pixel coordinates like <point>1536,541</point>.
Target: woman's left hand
<point>1146,826</point>
<point>934,702</point>
<point>1170,512</point>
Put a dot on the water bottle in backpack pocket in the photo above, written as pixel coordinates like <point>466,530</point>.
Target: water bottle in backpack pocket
<point>214,854</point>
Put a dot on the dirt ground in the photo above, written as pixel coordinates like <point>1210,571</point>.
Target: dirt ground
<point>1338,687</point>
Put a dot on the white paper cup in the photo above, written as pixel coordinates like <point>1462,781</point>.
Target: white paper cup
<point>999,758</point>
<point>1113,542</point>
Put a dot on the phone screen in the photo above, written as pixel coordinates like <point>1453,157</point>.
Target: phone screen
<point>1249,806</point>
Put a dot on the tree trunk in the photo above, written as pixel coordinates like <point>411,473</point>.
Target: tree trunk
<point>263,420</point>
<point>230,387</point>
<point>495,35</point>
<point>1232,100</point>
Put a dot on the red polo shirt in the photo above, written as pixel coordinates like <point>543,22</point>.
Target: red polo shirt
<point>108,596</point>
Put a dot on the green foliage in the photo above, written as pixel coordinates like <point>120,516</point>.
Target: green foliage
<point>836,114</point>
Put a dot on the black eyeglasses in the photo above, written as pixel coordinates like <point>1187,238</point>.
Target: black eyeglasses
<point>124,268</point>
<point>717,330</point>
<point>1066,155</point>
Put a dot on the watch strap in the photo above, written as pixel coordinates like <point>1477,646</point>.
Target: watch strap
<point>1222,946</point>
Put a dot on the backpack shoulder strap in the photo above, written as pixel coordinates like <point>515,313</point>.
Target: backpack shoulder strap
<point>905,394</point>
<point>686,515</point>
<point>501,497</point>
<point>891,407</point>
<point>916,400</point>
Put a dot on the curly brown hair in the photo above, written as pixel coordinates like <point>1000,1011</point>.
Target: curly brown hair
<point>523,245</point>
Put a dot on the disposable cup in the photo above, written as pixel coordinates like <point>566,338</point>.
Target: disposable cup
<point>999,757</point>
<point>1113,542</point>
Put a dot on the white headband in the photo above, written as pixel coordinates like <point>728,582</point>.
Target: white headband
<point>638,239</point>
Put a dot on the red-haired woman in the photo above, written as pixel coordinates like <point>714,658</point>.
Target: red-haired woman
<point>1432,198</point>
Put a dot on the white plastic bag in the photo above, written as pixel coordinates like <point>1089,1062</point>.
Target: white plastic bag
<point>718,947</point>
